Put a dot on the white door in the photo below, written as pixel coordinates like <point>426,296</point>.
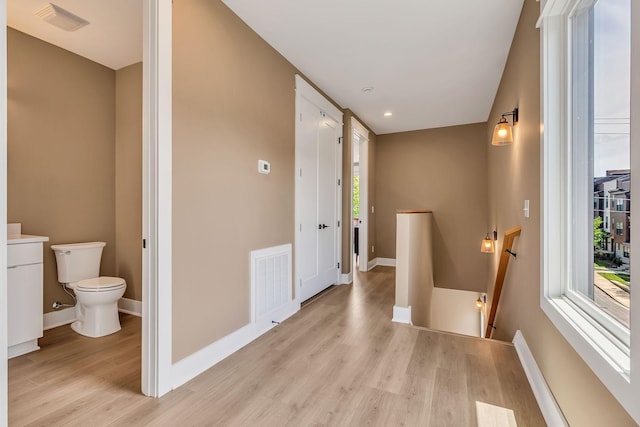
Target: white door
<point>318,156</point>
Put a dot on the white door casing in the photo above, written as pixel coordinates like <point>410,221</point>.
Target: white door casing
<point>3,215</point>
<point>318,191</point>
<point>156,198</point>
<point>363,235</point>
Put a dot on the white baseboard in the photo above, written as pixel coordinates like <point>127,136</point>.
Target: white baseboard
<point>198,362</point>
<point>58,318</point>
<point>372,263</point>
<point>68,315</point>
<point>130,306</point>
<point>387,262</point>
<point>345,279</point>
<point>22,348</point>
<point>402,315</point>
<point>548,405</point>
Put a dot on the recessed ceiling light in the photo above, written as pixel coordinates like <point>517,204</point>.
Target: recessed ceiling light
<point>61,18</point>
<point>367,89</point>
<point>388,114</point>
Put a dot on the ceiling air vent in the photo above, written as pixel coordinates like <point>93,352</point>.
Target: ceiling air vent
<point>61,18</point>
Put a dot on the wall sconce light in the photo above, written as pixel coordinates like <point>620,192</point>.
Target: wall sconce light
<point>479,303</point>
<point>503,132</point>
<point>488,247</point>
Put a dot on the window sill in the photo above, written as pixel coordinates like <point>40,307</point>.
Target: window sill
<point>597,347</point>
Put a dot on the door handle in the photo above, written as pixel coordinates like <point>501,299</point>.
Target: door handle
<point>322,226</point>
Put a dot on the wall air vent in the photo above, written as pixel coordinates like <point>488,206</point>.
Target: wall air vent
<point>61,18</point>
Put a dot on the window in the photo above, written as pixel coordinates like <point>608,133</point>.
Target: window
<point>587,122</point>
<point>599,147</point>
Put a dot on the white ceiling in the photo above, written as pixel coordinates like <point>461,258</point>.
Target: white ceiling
<point>431,63</point>
<point>113,38</point>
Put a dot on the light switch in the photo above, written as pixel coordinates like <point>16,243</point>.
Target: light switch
<point>264,166</point>
<point>526,209</point>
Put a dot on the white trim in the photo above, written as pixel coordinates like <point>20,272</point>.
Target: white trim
<point>550,410</point>
<point>198,362</point>
<point>22,348</point>
<point>339,179</point>
<point>387,262</point>
<point>371,264</point>
<point>156,198</point>
<point>58,318</point>
<point>402,315</point>
<point>67,315</point>
<point>345,279</point>
<point>130,306</point>
<point>3,215</point>
<point>307,91</point>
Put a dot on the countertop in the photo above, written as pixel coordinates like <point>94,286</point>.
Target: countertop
<point>16,239</point>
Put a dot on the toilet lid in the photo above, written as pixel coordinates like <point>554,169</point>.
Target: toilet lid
<point>103,283</point>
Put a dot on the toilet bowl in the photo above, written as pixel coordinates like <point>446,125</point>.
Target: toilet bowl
<point>97,306</point>
<point>96,296</point>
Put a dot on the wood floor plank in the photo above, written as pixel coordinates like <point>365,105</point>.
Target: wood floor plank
<point>449,403</point>
<point>339,361</point>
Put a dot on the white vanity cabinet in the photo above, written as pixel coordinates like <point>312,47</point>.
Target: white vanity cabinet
<point>24,293</point>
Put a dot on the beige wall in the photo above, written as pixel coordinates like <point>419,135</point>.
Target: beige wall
<point>128,179</point>
<point>61,157</point>
<point>233,104</point>
<point>414,265</point>
<point>515,176</point>
<point>443,170</point>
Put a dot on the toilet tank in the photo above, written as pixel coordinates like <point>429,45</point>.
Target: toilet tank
<point>78,261</point>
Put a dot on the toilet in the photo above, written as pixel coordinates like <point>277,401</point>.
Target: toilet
<point>97,297</point>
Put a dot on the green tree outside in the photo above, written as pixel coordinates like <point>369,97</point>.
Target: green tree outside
<point>600,236</point>
<point>356,196</point>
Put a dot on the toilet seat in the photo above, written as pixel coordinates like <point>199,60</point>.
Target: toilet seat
<point>100,284</point>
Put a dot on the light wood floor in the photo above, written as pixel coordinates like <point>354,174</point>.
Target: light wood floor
<point>339,361</point>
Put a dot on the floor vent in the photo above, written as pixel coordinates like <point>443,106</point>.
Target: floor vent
<point>271,282</point>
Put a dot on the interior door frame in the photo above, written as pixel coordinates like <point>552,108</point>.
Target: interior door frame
<point>157,199</point>
<point>363,234</point>
<point>156,182</point>
<point>4,399</point>
<point>305,91</point>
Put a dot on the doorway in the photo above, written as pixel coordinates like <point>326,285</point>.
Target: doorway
<point>156,275</point>
<point>76,175</point>
<point>318,191</point>
<point>359,197</point>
